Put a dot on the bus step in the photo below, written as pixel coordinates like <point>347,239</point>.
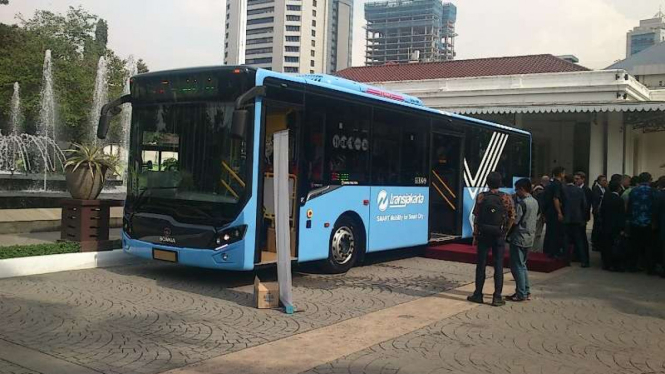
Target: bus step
<point>443,238</point>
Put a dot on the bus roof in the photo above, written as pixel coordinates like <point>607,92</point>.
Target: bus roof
<point>352,87</point>
<point>342,85</point>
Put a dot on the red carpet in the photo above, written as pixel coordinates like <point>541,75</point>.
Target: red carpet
<point>467,254</point>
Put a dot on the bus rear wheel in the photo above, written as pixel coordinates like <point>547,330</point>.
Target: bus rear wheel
<point>344,247</point>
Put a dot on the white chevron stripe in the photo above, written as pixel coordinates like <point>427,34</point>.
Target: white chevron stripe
<point>494,159</point>
<point>483,163</point>
<point>488,164</point>
<point>498,158</point>
<point>485,169</point>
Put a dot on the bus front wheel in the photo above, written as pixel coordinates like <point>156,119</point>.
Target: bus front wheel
<point>344,247</point>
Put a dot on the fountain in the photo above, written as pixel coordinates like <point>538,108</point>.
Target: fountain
<point>46,125</point>
<point>126,120</point>
<point>99,98</point>
<point>17,150</point>
<point>15,118</point>
<point>32,165</point>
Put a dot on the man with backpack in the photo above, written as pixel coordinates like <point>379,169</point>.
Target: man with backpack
<point>494,215</point>
<point>521,238</point>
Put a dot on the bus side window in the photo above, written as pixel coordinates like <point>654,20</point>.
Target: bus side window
<point>336,141</point>
<point>399,148</point>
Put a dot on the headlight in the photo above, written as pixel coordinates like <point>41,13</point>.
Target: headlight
<point>230,235</point>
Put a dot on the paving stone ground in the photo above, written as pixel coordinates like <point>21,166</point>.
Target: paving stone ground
<point>587,321</point>
<point>7,367</point>
<point>154,317</point>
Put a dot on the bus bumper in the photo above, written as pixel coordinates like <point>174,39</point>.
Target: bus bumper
<point>228,258</point>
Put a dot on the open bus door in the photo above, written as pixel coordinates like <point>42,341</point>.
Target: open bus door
<point>446,192</point>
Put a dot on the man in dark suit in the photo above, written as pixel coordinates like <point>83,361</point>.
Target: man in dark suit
<point>580,181</point>
<point>598,191</point>
<point>554,201</point>
<point>613,217</point>
<point>574,218</point>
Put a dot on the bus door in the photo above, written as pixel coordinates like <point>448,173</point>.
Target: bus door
<point>445,210</point>
<point>278,116</point>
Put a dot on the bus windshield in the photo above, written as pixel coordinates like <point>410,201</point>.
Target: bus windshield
<point>184,163</point>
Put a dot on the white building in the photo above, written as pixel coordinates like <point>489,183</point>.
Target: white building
<point>291,36</point>
<point>599,122</point>
<point>650,31</point>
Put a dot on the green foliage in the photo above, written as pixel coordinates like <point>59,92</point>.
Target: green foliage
<point>141,66</point>
<point>92,157</point>
<point>77,39</point>
<point>4,2</point>
<point>38,250</point>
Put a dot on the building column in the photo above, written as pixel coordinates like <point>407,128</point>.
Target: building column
<point>519,120</point>
<point>596,147</point>
<point>615,143</point>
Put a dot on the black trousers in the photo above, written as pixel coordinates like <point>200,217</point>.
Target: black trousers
<point>575,234</point>
<point>641,241</point>
<point>596,234</point>
<point>498,246</point>
<point>613,256</point>
<point>554,237</point>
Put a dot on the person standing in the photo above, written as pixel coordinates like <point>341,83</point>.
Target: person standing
<point>598,191</point>
<point>574,219</point>
<point>618,178</point>
<point>580,181</point>
<point>625,183</point>
<point>640,214</point>
<point>634,181</point>
<point>612,214</point>
<point>554,201</point>
<point>659,222</point>
<point>539,194</point>
<point>522,237</point>
<point>494,214</point>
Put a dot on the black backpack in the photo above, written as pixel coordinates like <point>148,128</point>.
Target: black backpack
<point>491,218</point>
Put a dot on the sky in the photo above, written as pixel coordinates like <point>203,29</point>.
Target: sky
<point>179,33</point>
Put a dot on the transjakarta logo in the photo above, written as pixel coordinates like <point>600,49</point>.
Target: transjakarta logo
<point>397,201</point>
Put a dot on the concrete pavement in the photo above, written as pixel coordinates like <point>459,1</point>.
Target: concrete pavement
<point>403,315</point>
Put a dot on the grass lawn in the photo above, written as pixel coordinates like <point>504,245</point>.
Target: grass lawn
<point>38,250</point>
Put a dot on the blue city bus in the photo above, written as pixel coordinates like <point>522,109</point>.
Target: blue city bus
<point>369,170</point>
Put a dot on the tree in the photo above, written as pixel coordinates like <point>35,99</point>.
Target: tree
<point>77,39</point>
<point>141,66</point>
<point>4,2</point>
<point>101,34</point>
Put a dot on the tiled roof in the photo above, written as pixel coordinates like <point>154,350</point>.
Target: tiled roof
<point>482,67</point>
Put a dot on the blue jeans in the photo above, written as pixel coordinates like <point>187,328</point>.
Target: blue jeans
<point>518,257</point>
<point>496,245</point>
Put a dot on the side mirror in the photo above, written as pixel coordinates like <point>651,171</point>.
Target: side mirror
<point>109,111</point>
<point>239,123</point>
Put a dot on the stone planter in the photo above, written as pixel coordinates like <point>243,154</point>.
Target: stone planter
<point>82,184</point>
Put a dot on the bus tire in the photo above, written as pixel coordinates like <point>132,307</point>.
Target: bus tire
<point>345,246</point>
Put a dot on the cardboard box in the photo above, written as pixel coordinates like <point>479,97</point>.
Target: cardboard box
<point>272,241</point>
<point>266,294</point>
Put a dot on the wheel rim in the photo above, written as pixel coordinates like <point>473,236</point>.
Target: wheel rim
<point>343,245</point>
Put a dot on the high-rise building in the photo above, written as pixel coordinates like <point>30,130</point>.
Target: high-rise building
<point>340,35</point>
<point>403,31</point>
<point>291,36</point>
<point>650,31</point>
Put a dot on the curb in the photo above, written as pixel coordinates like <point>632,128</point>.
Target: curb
<point>18,267</point>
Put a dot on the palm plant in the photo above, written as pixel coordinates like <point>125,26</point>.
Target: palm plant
<point>93,158</point>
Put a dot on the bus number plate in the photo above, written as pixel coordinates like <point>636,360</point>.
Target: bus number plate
<point>170,256</point>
